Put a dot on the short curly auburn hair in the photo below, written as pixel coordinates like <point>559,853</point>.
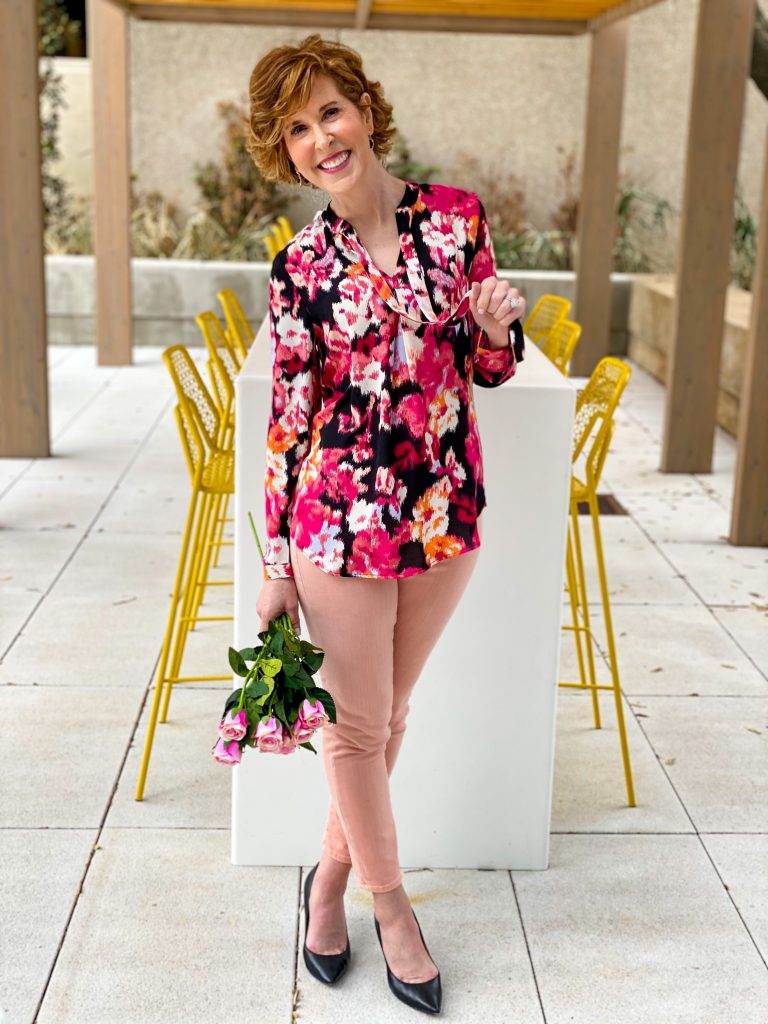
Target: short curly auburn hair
<point>281,83</point>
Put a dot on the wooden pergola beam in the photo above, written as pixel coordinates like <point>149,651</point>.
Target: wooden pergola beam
<point>749,512</point>
<point>362,14</point>
<point>597,206</point>
<point>108,26</point>
<point>721,65</point>
<point>562,17</point>
<point>329,19</point>
<point>24,430</point>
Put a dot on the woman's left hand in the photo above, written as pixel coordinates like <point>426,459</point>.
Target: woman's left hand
<point>489,304</point>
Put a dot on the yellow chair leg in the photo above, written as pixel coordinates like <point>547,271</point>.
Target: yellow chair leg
<point>205,563</point>
<point>172,613</point>
<point>180,640</point>
<point>573,596</point>
<point>584,604</point>
<point>220,536</point>
<point>595,515</point>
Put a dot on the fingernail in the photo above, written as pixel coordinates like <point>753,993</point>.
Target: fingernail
<point>481,309</point>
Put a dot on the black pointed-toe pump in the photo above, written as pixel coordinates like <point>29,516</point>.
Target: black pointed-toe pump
<point>327,967</point>
<point>426,996</point>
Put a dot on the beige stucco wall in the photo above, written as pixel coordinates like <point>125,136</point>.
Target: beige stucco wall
<point>511,100</point>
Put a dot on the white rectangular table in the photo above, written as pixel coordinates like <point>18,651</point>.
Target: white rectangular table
<point>472,790</point>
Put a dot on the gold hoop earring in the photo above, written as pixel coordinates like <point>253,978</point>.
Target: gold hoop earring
<point>370,141</point>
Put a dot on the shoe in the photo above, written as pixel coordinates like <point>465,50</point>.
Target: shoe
<point>421,995</point>
<point>326,967</point>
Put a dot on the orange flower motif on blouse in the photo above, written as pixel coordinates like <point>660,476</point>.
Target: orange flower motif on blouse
<point>373,455</point>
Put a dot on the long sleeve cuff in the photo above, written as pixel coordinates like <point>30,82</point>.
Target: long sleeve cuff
<point>495,365</point>
<point>277,571</point>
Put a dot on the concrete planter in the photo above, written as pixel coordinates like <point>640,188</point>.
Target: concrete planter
<point>651,328</point>
<point>167,294</point>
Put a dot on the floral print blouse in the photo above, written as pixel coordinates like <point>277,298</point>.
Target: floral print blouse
<point>373,456</point>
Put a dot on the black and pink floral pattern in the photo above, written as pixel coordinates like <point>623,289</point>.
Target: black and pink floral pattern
<point>373,455</point>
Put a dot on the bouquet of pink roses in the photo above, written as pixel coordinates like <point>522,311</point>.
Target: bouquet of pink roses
<point>278,707</point>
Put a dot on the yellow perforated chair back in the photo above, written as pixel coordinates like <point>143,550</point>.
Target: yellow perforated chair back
<point>595,406</point>
<point>240,332</point>
<point>195,401</point>
<point>547,311</point>
<point>560,342</point>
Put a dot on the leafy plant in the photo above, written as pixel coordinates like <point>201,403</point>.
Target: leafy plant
<point>57,32</point>
<point>66,218</point>
<point>236,203</point>
<point>744,250</point>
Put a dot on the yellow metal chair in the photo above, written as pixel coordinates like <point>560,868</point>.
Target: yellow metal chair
<point>222,371</point>
<point>240,332</point>
<point>560,342</point>
<point>547,311</point>
<point>285,229</point>
<point>211,471</point>
<point>593,429</point>
<point>223,367</point>
<point>278,236</point>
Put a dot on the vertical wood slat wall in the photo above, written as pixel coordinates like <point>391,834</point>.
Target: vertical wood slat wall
<point>721,68</point>
<point>108,32</point>
<point>24,429</point>
<point>597,206</point>
<point>749,514</point>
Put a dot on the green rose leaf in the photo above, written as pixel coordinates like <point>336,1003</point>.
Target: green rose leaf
<point>313,658</point>
<point>236,662</point>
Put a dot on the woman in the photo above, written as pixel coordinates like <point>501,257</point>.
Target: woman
<point>383,311</point>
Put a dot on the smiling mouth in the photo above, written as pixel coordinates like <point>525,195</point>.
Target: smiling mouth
<point>337,158</point>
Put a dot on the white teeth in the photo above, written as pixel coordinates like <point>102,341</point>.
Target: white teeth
<point>335,163</point>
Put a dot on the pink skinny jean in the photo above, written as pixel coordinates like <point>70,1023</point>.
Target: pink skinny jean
<point>377,636</point>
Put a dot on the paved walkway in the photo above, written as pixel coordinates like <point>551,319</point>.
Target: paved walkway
<point>117,911</point>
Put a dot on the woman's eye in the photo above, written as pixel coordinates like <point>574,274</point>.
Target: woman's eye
<point>298,127</point>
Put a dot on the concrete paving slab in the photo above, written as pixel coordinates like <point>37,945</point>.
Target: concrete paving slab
<point>60,752</point>
<point>185,787</point>
<point>472,929</point>
<point>40,874</point>
<point>722,573</point>
<point>692,516</point>
<point>167,929</point>
<point>679,650</point>
<point>749,629</point>
<point>634,929</point>
<point>589,793</point>
<point>741,862</point>
<point>715,750</point>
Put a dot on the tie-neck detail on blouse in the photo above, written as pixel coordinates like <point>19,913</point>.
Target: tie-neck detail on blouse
<point>403,212</point>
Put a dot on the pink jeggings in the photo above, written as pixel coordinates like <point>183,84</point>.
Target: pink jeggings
<point>377,635</point>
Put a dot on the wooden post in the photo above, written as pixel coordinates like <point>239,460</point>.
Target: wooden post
<point>23,338</point>
<point>722,56</point>
<point>749,514</point>
<point>597,208</point>
<point>108,48</point>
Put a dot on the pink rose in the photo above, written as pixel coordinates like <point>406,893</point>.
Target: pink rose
<point>269,735</point>
<point>234,727</point>
<point>227,752</point>
<point>290,743</point>
<point>301,730</point>
<point>313,713</point>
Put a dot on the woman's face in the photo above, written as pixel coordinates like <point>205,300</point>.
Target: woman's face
<point>328,129</point>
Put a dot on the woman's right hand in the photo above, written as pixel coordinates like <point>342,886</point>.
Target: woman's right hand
<point>276,597</point>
